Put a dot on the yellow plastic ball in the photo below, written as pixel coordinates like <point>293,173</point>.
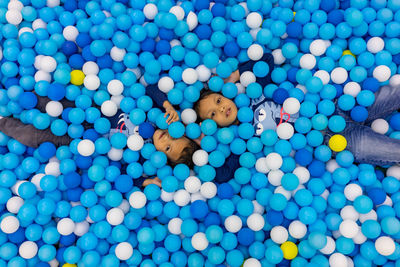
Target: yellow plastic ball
<point>289,250</point>
<point>77,77</point>
<point>69,265</point>
<point>337,143</point>
<point>294,15</point>
<point>348,52</point>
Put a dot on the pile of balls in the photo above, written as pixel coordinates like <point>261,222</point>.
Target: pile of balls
<point>293,201</point>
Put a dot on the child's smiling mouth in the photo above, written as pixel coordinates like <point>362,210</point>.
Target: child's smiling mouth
<point>228,112</point>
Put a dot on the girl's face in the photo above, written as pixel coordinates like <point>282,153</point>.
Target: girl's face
<point>170,146</point>
<point>218,108</point>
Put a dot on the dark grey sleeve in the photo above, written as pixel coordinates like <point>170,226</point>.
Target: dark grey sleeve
<point>42,102</point>
<point>30,136</point>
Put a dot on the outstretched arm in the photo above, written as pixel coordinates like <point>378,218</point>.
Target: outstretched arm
<point>161,101</point>
<point>387,100</point>
<point>28,135</point>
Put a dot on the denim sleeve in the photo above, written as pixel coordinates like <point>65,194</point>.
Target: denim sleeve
<point>227,171</point>
<point>248,66</point>
<point>156,95</point>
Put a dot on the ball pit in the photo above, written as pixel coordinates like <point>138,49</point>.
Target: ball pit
<point>297,195</point>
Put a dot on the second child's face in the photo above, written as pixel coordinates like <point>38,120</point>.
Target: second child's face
<point>218,108</point>
<point>170,146</point>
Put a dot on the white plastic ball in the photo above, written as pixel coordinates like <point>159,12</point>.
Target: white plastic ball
<point>258,208</point>
<point>9,224</point>
<point>274,161</point>
<point>117,54</point>
<point>165,84</point>
<point>48,64</point>
<point>394,80</point>
<point>385,246</point>
<point>14,16</point>
<point>117,100</point>
<point>52,3</point>
<point>70,33</point>
<point>275,177</point>
<point>167,196</point>
<point>302,173</point>
<point>394,171</point>
<point>189,76</point>
<point>349,213</point>
<point>65,226</point>
<point>241,88</point>
<point>382,73</point>
<point>375,44</point>
<point>109,108</point>
<point>124,251</point>
<point>352,88</point>
<point>115,87</point>
<point>278,57</point>
<point>197,196</point>
<point>91,82</point>
<point>371,215</point>
<point>178,12</point>
<point>329,247</point>
<point>192,184</point>
<point>54,108</point>
<point>279,234</point>
<point>174,42</point>
<point>337,260</point>
<point>254,20</point>
<point>233,224</point>
<point>150,11</point>
<point>124,206</point>
<point>14,4</point>
<point>181,198</point>
<point>188,116</point>
<point>323,75</point>
<point>332,165</point>
<point>339,75</point>
<point>348,228</point>
<point>192,20</point>
<point>317,47</point>
<point>255,222</point>
<point>203,73</point>
<point>28,250</point>
<point>39,24</point>
<point>137,200</point>
<point>359,238</point>
<point>42,76</point>
<point>352,191</point>
<point>291,105</point>
<point>174,226</point>
<point>38,62</point>
<point>380,126</point>
<point>208,190</point>
<point>285,131</point>
<point>255,52</point>
<point>247,78</point>
<point>36,180</point>
<point>115,216</point>
<point>251,262</point>
<point>261,165</point>
<point>280,190</point>
<point>14,204</point>
<point>135,142</point>
<point>86,147</point>
<point>307,61</point>
<point>297,229</point>
<point>81,228</point>
<point>115,154</point>
<point>90,67</point>
<point>199,241</point>
<point>200,157</point>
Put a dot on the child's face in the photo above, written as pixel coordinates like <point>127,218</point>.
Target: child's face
<point>170,146</point>
<point>218,108</point>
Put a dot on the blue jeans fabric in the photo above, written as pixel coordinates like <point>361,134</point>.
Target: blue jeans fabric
<point>368,146</point>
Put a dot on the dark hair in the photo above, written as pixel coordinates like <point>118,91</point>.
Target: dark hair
<point>203,94</point>
<point>186,155</point>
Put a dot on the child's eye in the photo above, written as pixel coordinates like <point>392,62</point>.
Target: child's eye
<point>218,100</point>
<point>212,115</point>
<point>167,148</point>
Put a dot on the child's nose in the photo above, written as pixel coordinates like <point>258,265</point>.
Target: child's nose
<point>222,109</point>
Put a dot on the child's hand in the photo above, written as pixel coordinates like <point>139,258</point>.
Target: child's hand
<point>198,140</point>
<point>234,77</point>
<point>169,110</point>
<point>154,180</point>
